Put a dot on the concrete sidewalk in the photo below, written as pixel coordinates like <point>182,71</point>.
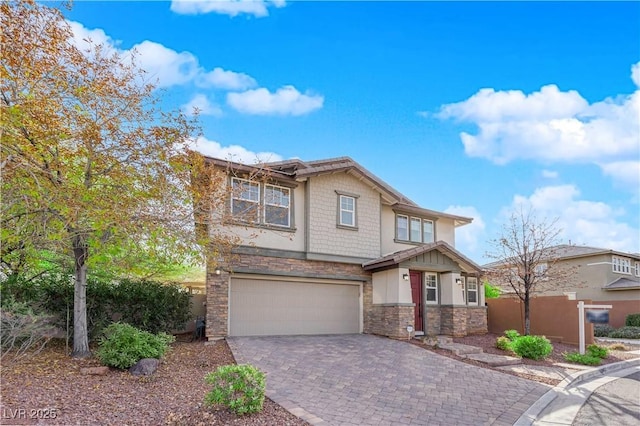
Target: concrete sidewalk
<point>560,405</point>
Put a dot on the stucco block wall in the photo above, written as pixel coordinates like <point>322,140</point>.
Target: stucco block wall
<point>325,237</point>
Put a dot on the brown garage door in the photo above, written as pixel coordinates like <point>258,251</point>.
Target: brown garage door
<point>263,307</point>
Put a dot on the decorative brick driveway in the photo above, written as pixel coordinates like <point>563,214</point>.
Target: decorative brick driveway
<point>370,380</point>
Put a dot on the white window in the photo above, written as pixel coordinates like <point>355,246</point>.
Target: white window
<point>621,265</point>
<point>276,206</point>
<point>472,290</point>
<point>637,269</point>
<point>245,200</point>
<point>347,213</point>
<point>540,270</point>
<point>402,227</point>
<point>416,229</point>
<point>427,231</point>
<point>431,288</point>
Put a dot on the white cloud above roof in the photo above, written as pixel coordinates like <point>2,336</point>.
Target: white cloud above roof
<point>224,79</point>
<point>235,153</point>
<point>549,174</point>
<point>551,126</point>
<point>582,221</point>
<point>202,105</point>
<point>258,8</point>
<point>286,100</point>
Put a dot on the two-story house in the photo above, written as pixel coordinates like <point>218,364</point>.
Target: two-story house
<point>601,275</point>
<point>326,247</point>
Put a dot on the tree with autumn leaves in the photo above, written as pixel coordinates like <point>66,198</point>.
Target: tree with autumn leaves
<point>92,168</point>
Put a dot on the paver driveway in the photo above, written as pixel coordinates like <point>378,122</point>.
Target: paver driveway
<point>371,380</point>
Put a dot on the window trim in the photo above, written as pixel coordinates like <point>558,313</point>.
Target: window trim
<point>407,228</point>
<point>288,207</point>
<point>409,220</point>
<point>427,287</point>
<point>239,197</point>
<point>473,281</point>
<point>621,265</point>
<point>339,210</point>
<point>637,267</point>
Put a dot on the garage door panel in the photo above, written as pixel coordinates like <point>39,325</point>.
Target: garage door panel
<point>265,307</point>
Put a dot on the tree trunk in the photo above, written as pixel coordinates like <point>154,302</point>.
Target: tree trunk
<point>527,323</point>
<point>80,334</point>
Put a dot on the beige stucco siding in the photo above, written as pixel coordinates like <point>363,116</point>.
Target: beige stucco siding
<point>389,287</point>
<point>325,237</point>
<point>444,231</point>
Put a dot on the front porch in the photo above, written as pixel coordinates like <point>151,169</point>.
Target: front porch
<point>432,289</point>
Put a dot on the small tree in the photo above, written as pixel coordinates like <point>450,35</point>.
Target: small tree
<point>526,259</point>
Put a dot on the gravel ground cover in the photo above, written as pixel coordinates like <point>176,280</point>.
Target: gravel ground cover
<point>49,389</point>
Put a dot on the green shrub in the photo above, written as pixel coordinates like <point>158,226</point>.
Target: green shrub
<point>599,351</point>
<point>122,345</point>
<point>511,334</point>
<point>533,347</point>
<point>239,387</point>
<point>148,305</point>
<point>586,359</point>
<point>491,291</point>
<point>503,343</point>
<point>632,320</point>
<point>602,330</point>
<point>626,333</point>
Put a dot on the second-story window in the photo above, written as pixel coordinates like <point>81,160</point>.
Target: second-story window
<point>347,210</point>
<point>276,205</point>
<point>245,200</point>
<point>637,269</point>
<point>414,229</point>
<point>621,265</point>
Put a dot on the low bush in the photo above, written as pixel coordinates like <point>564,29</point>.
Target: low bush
<point>632,320</point>
<point>239,387</point>
<point>626,333</point>
<point>533,347</point>
<point>599,351</point>
<point>122,345</point>
<point>503,343</point>
<point>617,347</point>
<point>511,334</point>
<point>586,359</point>
<point>602,330</point>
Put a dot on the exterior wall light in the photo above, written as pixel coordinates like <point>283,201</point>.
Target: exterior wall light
<point>405,277</point>
<point>459,281</point>
<point>218,270</point>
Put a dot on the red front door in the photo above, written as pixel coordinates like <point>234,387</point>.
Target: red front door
<point>416,297</point>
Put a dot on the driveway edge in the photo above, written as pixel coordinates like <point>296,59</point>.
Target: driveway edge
<point>530,416</point>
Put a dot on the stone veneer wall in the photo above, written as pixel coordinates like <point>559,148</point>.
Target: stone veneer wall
<point>453,320</point>
<point>391,320</point>
<point>477,320</point>
<point>433,320</point>
<point>218,285</point>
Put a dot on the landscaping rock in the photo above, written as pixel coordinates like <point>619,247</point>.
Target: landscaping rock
<point>145,367</point>
<point>94,371</point>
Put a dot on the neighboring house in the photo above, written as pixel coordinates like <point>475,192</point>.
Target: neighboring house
<point>329,248</point>
<point>600,275</point>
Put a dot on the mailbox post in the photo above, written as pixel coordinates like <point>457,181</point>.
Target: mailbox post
<point>581,307</point>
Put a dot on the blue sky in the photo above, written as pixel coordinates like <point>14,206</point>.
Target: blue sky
<point>469,108</point>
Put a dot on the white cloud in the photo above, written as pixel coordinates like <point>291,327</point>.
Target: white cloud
<point>550,125</point>
<point>258,8</point>
<point>285,101</point>
<point>82,36</point>
<point>235,153</point>
<point>168,66</point>
<point>584,222</point>
<point>549,174</point>
<point>625,172</point>
<point>224,79</point>
<point>467,236</point>
<point>204,106</point>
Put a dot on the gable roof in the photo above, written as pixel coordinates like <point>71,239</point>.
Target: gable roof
<point>568,251</point>
<point>623,284</point>
<point>403,255</point>
<point>299,171</point>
